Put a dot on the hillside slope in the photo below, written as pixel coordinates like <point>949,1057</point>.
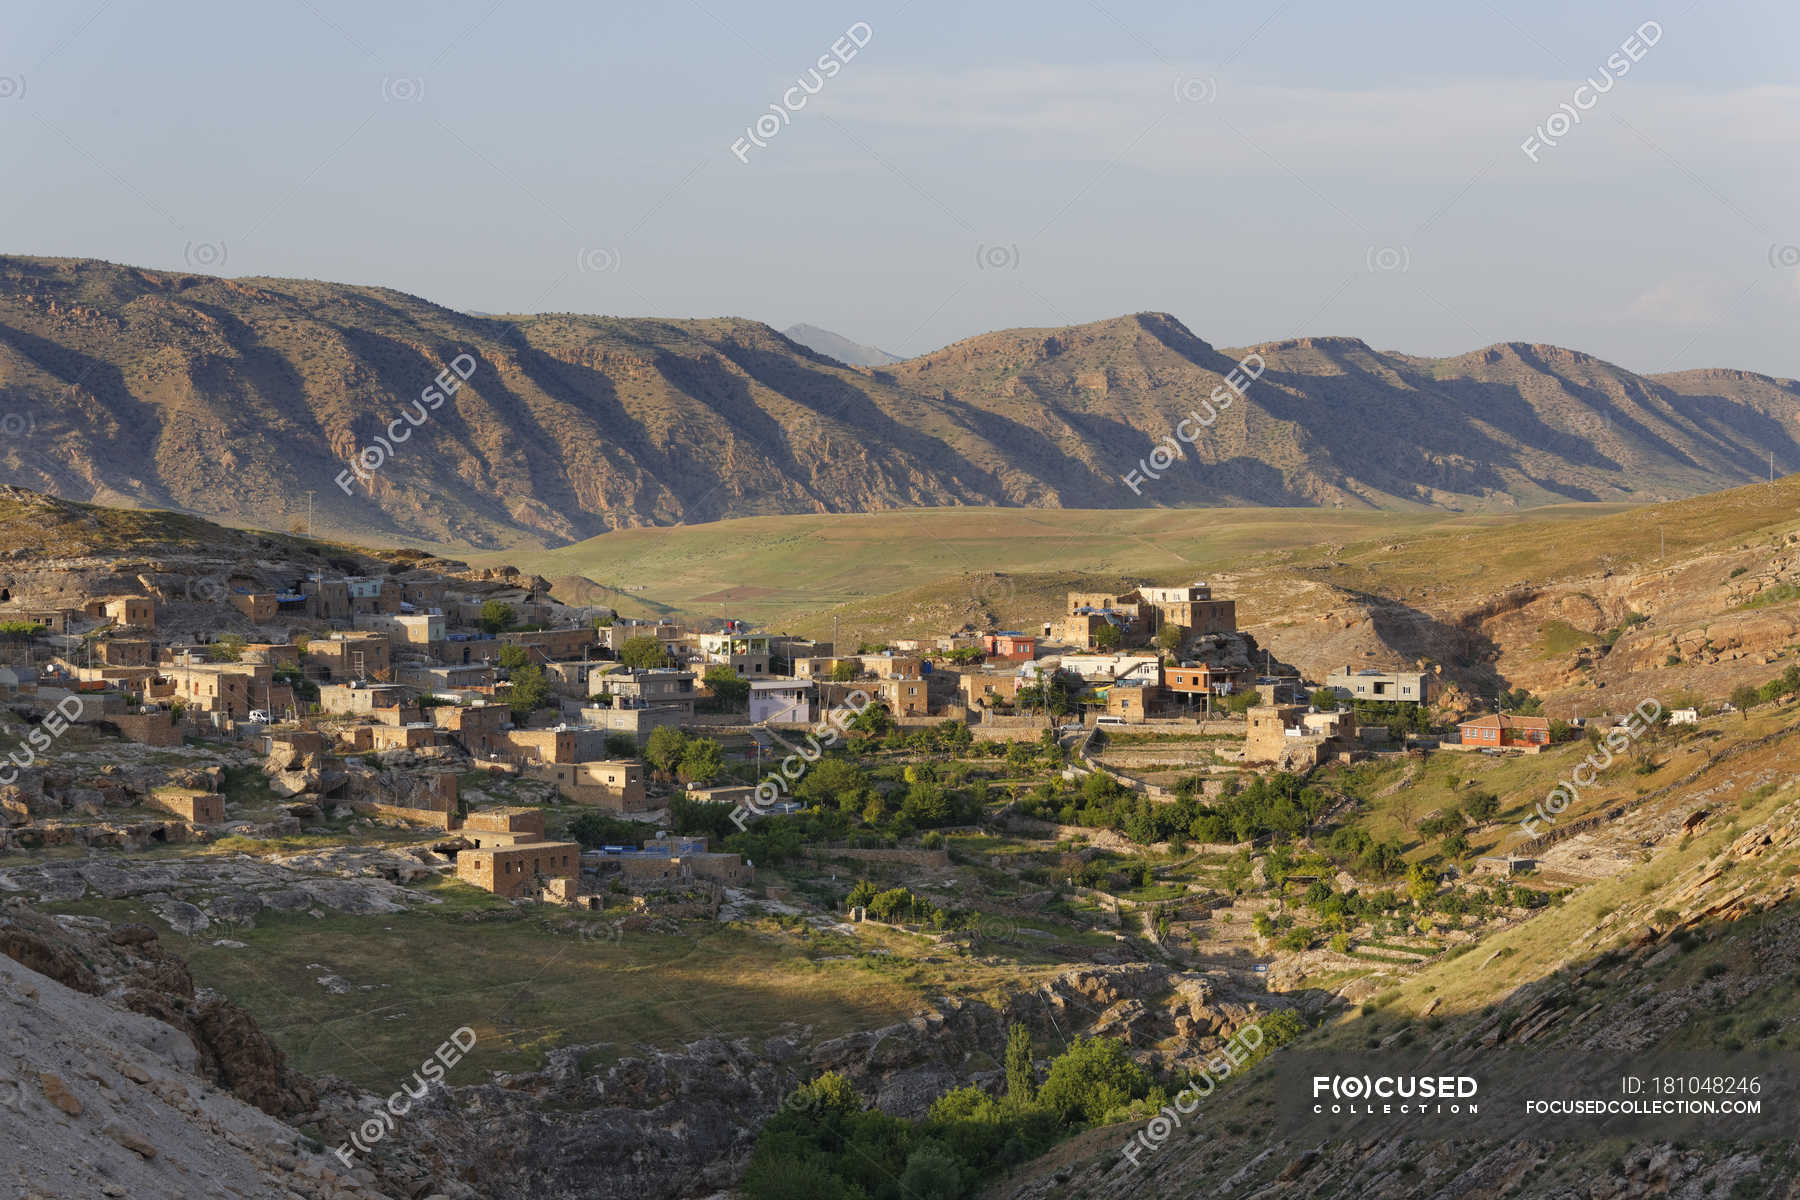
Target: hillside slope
<point>236,398</point>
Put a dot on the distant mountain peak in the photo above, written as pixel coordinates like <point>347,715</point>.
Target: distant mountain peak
<point>834,345</point>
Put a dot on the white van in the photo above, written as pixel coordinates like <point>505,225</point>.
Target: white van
<point>1110,721</point>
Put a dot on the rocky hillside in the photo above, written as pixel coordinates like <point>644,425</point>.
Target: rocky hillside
<point>1690,945</point>
<point>235,398</point>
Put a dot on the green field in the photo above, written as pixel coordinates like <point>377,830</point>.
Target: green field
<point>767,568</point>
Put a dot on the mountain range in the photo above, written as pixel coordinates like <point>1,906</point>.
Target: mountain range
<point>247,399</point>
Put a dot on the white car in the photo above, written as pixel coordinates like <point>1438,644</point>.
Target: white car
<point>258,716</point>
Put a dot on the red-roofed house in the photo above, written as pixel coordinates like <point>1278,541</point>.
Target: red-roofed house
<point>1504,730</point>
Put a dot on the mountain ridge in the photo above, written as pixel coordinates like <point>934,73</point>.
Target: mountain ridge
<point>129,386</point>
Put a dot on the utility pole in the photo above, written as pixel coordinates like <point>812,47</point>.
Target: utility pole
<point>309,524</point>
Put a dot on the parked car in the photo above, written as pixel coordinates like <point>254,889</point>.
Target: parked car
<point>259,716</point>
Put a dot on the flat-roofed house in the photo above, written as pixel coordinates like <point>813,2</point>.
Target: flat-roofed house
<point>1412,687</point>
<point>782,701</point>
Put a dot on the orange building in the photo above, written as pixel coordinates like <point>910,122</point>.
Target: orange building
<point>1501,730</point>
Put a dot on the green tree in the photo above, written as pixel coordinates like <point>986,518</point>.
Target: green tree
<point>730,688</point>
<point>229,648</point>
<point>643,651</point>
<point>1744,698</point>
<point>529,692</point>
<point>860,895</point>
<point>496,615</point>
<point>1090,1079</point>
<point>843,671</point>
<point>1170,637</point>
<point>1421,884</point>
<point>512,656</point>
<point>931,1174</point>
<point>1324,699</point>
<point>873,721</point>
<point>701,761</point>
<point>1482,807</point>
<point>1107,636</point>
<point>1021,1076</point>
<point>664,749</point>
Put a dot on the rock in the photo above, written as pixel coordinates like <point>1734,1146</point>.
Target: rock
<point>57,1092</point>
<point>56,889</point>
<point>183,917</point>
<point>295,783</point>
<point>32,951</point>
<point>131,1141</point>
<point>237,908</point>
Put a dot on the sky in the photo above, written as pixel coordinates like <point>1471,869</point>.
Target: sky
<point>1398,172</point>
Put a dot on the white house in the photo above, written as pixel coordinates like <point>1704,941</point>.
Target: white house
<point>782,701</point>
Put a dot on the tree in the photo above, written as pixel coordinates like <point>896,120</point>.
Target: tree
<point>1170,637</point>
<point>1744,698</point>
<point>664,749</point>
<point>727,686</point>
<point>931,1173</point>
<point>496,615</point>
<point>1324,699</point>
<point>1021,1076</point>
<point>530,691</point>
<point>1403,809</point>
<point>1091,1078</point>
<point>873,721</point>
<point>1456,845</point>
<point>860,895</point>
<point>701,761</point>
<point>1421,884</point>
<point>511,656</point>
<point>1107,637</point>
<point>1481,807</point>
<point>843,671</point>
<point>229,648</point>
<point>643,651</point>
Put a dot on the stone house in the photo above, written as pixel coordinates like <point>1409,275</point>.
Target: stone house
<point>522,869</point>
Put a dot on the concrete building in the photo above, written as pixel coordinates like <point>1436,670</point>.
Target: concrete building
<point>746,653</point>
<point>657,687</point>
<point>782,701</point>
<point>1412,687</point>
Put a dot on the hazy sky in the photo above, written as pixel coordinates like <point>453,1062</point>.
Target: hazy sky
<point>1260,169</point>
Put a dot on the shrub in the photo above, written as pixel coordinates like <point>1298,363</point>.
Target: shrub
<point>1090,1079</point>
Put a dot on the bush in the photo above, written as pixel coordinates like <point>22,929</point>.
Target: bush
<point>1090,1079</point>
